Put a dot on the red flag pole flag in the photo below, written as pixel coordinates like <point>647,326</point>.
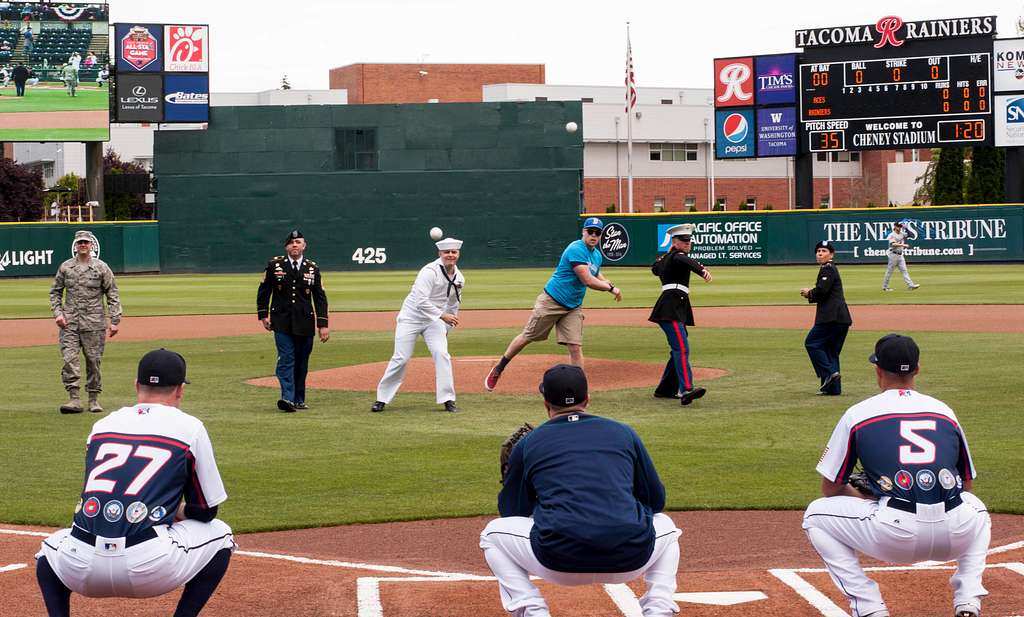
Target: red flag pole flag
<point>630,105</point>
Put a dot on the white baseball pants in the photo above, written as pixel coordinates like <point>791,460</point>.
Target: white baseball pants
<point>149,569</point>
<point>507,549</point>
<point>839,526</point>
<point>435,334</point>
<point>897,261</point>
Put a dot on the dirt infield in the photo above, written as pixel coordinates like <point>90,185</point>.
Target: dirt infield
<point>469,372</point>
<point>904,318</point>
<point>435,569</point>
<point>55,119</point>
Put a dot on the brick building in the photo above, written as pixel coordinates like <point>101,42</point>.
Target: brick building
<point>427,83</point>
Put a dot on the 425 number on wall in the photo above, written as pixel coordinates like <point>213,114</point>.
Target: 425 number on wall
<point>370,255</point>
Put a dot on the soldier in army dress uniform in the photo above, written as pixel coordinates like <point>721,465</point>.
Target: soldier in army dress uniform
<point>292,303</point>
<point>76,299</point>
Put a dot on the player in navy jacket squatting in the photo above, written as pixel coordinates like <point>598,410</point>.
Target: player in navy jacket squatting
<point>595,501</point>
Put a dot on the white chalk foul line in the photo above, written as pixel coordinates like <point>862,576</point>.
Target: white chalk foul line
<point>18,532</point>
<point>624,599</point>
<point>13,566</point>
<point>429,574</point>
<point>809,592</point>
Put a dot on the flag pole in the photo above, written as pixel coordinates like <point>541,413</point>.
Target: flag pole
<point>630,103</point>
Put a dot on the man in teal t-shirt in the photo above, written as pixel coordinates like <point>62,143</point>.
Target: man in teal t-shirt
<point>558,306</point>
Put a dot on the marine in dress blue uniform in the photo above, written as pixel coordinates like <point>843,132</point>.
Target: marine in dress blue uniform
<point>292,302</point>
<point>832,320</point>
<point>581,504</point>
<point>673,313</point>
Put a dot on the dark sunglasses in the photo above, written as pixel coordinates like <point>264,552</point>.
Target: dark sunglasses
<point>594,232</point>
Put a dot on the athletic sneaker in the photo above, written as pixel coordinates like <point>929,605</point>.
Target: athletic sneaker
<point>887,289</point>
<point>491,381</point>
<point>913,287</point>
<point>966,610</point>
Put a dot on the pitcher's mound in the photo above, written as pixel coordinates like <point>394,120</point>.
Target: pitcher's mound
<point>522,375</point>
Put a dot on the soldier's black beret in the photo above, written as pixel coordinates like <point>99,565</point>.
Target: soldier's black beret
<point>293,235</point>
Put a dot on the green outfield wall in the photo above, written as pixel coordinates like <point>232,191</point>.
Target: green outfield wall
<point>937,234</point>
<point>35,249</point>
<point>504,177</point>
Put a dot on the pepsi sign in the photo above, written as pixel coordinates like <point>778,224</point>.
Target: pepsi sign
<point>734,82</point>
<point>1009,116</point>
<point>775,79</point>
<point>734,134</point>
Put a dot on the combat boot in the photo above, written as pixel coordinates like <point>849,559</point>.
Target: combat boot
<point>74,404</point>
<point>94,403</point>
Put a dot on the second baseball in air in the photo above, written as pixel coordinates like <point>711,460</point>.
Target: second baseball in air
<point>436,233</point>
<point>571,127</point>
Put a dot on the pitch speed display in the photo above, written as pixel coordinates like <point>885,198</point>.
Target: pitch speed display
<point>896,102</point>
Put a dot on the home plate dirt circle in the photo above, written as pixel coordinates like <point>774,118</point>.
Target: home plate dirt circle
<point>522,375</point>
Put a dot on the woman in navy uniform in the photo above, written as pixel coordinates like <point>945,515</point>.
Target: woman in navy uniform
<point>831,320</point>
<point>673,313</point>
<point>297,302</point>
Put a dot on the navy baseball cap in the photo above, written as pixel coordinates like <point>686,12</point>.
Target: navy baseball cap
<point>564,385</point>
<point>161,367</point>
<point>896,353</point>
<point>593,222</point>
<point>825,244</point>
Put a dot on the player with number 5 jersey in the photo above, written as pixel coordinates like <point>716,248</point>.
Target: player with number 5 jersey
<point>145,523</point>
<point>915,455</point>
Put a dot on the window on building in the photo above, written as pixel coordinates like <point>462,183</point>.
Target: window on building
<point>915,155</point>
<point>751,202</point>
<point>840,157</point>
<point>690,201</point>
<point>145,161</point>
<point>659,204</point>
<point>721,203</point>
<point>355,149</point>
<point>666,101</point>
<point>587,99</point>
<point>673,152</point>
<point>824,201</point>
<point>540,98</point>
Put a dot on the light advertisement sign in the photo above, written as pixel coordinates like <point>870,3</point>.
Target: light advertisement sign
<point>138,48</point>
<point>1009,114</point>
<point>186,98</point>
<point>775,79</point>
<point>1008,65</point>
<point>776,131</point>
<point>186,49</point>
<point>734,82</point>
<point>734,134</point>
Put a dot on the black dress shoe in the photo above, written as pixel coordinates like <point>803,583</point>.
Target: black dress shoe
<point>450,407</point>
<point>691,395</point>
<point>377,407</point>
<point>663,395</point>
<point>286,406</point>
<point>301,406</point>
<point>831,379</point>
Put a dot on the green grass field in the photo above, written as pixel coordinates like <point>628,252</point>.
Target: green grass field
<point>516,288</point>
<point>53,97</point>
<point>752,442</point>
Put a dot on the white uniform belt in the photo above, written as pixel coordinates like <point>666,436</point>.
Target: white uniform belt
<point>682,288</point>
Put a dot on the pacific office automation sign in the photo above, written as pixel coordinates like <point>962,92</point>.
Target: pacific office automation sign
<point>892,31</point>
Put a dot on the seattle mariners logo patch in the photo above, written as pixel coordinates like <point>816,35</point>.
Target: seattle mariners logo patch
<point>113,511</point>
<point>91,507</point>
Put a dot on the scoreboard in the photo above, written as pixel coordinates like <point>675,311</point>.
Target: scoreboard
<point>939,96</point>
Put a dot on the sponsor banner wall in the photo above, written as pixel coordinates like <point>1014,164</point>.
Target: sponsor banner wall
<point>186,98</point>
<point>186,49</point>
<point>140,98</point>
<point>1009,114</point>
<point>734,134</point>
<point>38,249</point>
<point>138,48</point>
<point>1008,65</point>
<point>937,234</point>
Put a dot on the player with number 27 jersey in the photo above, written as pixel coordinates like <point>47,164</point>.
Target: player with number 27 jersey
<point>137,461</point>
<point>910,445</point>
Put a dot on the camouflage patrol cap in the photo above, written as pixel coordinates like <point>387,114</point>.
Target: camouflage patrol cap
<point>84,235</point>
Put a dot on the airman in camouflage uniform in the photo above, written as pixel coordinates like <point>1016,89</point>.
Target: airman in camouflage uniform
<point>76,299</point>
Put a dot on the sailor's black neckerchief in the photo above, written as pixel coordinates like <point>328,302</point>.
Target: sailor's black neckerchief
<point>451,284</point>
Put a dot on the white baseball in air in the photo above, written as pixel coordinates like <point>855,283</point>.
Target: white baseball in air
<point>571,127</point>
<point>436,233</point>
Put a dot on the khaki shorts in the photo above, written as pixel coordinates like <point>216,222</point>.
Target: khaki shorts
<point>547,314</point>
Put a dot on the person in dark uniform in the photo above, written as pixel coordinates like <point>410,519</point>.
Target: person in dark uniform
<point>673,313</point>
<point>832,320</point>
<point>294,293</point>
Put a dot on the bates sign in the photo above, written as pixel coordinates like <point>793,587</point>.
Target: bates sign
<point>186,49</point>
<point>139,48</point>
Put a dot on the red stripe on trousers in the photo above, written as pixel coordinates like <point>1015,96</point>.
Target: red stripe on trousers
<point>687,382</point>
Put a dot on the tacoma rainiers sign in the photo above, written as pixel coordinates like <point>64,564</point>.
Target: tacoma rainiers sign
<point>893,31</point>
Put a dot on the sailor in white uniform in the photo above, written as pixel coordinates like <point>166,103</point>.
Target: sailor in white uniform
<point>430,309</point>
